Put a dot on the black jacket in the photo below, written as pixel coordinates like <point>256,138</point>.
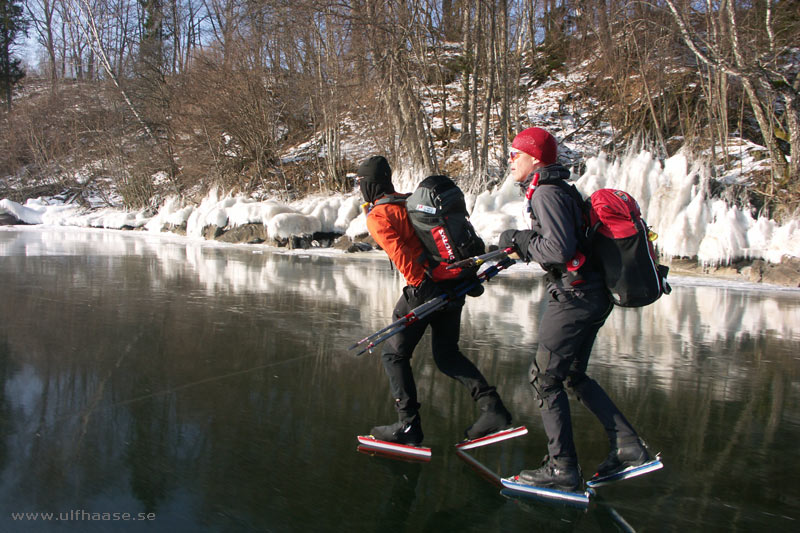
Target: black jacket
<point>557,220</point>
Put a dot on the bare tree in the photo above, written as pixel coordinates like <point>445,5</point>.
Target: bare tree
<point>328,103</point>
<point>225,17</point>
<point>42,14</point>
<point>393,27</point>
<point>227,85</point>
<point>723,50</point>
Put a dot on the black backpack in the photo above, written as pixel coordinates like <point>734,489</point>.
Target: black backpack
<point>616,239</point>
<point>438,213</point>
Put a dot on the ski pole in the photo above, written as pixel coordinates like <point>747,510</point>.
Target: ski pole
<point>478,260</point>
<point>410,317</point>
<point>434,304</point>
<point>431,306</point>
<point>418,312</point>
<point>441,301</point>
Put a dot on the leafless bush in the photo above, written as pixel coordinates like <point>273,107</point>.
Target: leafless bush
<point>52,136</point>
<point>273,75</point>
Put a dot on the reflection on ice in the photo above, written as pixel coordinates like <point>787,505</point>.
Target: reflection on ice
<point>512,302</point>
<point>662,337</point>
<point>168,373</point>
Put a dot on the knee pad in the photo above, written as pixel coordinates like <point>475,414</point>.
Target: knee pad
<point>545,386</point>
<point>539,364</point>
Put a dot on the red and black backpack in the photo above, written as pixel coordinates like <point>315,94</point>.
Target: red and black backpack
<point>617,240</point>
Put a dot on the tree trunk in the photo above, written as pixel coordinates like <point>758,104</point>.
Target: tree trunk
<point>489,99</point>
<point>503,78</point>
<point>476,52</point>
<point>793,124</point>
<point>466,73</point>
<point>92,35</point>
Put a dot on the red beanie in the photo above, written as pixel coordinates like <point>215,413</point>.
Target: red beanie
<point>538,143</point>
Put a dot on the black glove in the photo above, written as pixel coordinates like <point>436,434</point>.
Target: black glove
<point>420,294</point>
<point>454,301</point>
<point>518,240</point>
<point>477,289</point>
<point>507,238</point>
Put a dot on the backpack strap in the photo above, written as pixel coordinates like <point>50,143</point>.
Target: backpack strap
<point>399,198</point>
<point>586,232</point>
<point>392,198</point>
<point>574,275</point>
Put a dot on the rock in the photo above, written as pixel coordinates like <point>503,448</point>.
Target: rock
<point>342,243</point>
<point>210,233</point>
<point>751,273</point>
<point>359,247</point>
<point>785,273</point>
<point>7,219</point>
<point>322,239</point>
<point>299,242</point>
<point>361,244</point>
<point>178,230</point>
<point>246,234</point>
<point>295,242</point>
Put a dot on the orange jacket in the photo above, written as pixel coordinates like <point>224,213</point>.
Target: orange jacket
<point>392,230</point>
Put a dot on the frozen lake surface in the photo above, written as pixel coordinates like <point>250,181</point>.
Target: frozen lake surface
<point>204,387</point>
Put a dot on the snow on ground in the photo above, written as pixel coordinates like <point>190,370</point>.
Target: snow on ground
<point>671,194</point>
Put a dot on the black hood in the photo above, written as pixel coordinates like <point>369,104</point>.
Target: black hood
<point>375,178</point>
<point>371,190</point>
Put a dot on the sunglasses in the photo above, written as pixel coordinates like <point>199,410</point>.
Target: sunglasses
<point>513,154</point>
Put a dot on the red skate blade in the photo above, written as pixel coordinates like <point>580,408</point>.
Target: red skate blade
<point>492,438</point>
<point>393,447</point>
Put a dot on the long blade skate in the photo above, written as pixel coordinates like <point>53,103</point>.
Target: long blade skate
<point>498,436</point>
<point>631,471</point>
<point>386,454</point>
<point>514,487</point>
<point>394,447</point>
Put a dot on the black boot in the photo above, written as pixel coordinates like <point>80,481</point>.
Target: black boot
<point>554,474</point>
<point>407,431</point>
<point>494,417</point>
<point>622,457</point>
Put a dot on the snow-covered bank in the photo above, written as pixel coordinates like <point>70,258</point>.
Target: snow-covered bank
<point>673,196</point>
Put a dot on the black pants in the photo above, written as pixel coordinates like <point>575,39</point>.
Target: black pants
<point>445,331</point>
<point>566,335</point>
